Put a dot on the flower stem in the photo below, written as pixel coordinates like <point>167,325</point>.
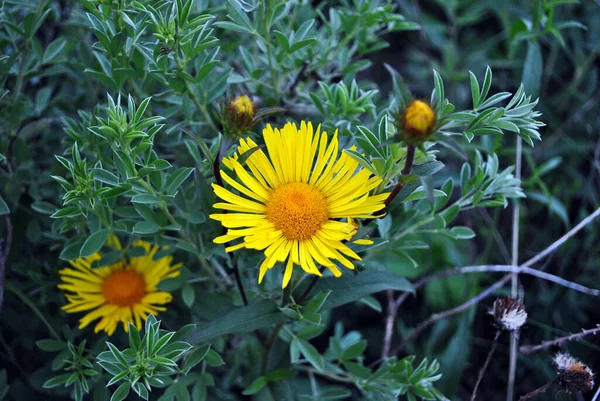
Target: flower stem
<point>410,158</point>
<point>287,292</point>
<point>485,365</point>
<point>234,264</point>
<point>269,58</point>
<point>203,262</point>
<point>238,280</point>
<point>312,284</point>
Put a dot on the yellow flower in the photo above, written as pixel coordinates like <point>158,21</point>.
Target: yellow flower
<point>120,293</point>
<point>289,204</point>
<point>418,120</point>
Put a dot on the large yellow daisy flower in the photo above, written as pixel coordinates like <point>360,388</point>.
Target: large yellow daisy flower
<point>120,293</point>
<point>290,203</point>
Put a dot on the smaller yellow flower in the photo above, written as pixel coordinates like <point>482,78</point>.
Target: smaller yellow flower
<point>124,292</point>
<point>418,121</point>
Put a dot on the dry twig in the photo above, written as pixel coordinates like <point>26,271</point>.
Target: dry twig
<point>5,246</point>
<point>528,349</point>
<point>475,300</point>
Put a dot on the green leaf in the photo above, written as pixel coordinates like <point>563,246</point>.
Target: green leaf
<point>532,69</point>
<point>71,251</point>
<point>106,177</point>
<point>94,243</point>
<point>56,381</point>
<point>462,232</point>
<point>3,207</point>
<point>134,337</point>
<point>349,288</point>
<point>230,26</point>
<point>188,295</point>
<point>176,179</point>
<point>145,198</point>
<point>256,386</point>
<point>263,313</point>
<point>121,393</point>
<point>181,392</point>
<point>428,168</point>
<point>54,49</point>
<point>196,357</point>
<point>213,358</point>
<point>474,90</point>
<point>145,228</point>
<point>44,207</point>
<point>311,354</point>
<point>50,345</point>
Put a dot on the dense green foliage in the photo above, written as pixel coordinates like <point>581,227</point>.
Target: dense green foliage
<point>114,120</point>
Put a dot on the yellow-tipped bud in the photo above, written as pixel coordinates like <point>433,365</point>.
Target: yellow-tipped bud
<point>418,121</point>
<point>238,115</point>
<point>243,105</point>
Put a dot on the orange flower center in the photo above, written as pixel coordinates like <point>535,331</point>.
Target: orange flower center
<point>419,119</point>
<point>298,210</point>
<point>124,288</point>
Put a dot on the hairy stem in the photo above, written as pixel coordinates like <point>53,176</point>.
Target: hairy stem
<point>514,339</point>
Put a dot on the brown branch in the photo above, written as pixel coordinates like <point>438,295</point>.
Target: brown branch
<point>538,391</point>
<point>485,365</point>
<point>474,301</point>
<point>5,247</point>
<point>389,324</point>
<point>496,269</point>
<point>528,349</point>
<point>299,77</point>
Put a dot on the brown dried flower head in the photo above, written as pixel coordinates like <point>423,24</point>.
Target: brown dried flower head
<point>573,375</point>
<point>509,313</point>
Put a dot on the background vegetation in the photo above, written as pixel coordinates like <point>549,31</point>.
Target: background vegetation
<point>346,64</point>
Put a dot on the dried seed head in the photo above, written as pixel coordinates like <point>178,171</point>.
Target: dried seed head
<point>418,121</point>
<point>509,313</point>
<point>573,375</point>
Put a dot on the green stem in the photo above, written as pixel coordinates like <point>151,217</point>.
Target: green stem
<point>33,307</point>
<point>287,292</point>
<point>190,91</point>
<point>274,76</point>
<point>324,374</point>
<point>201,107</point>
<point>203,261</point>
<point>20,76</point>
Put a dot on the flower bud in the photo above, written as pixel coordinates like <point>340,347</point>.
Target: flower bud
<point>238,115</point>
<point>573,375</point>
<point>509,313</point>
<point>417,121</point>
